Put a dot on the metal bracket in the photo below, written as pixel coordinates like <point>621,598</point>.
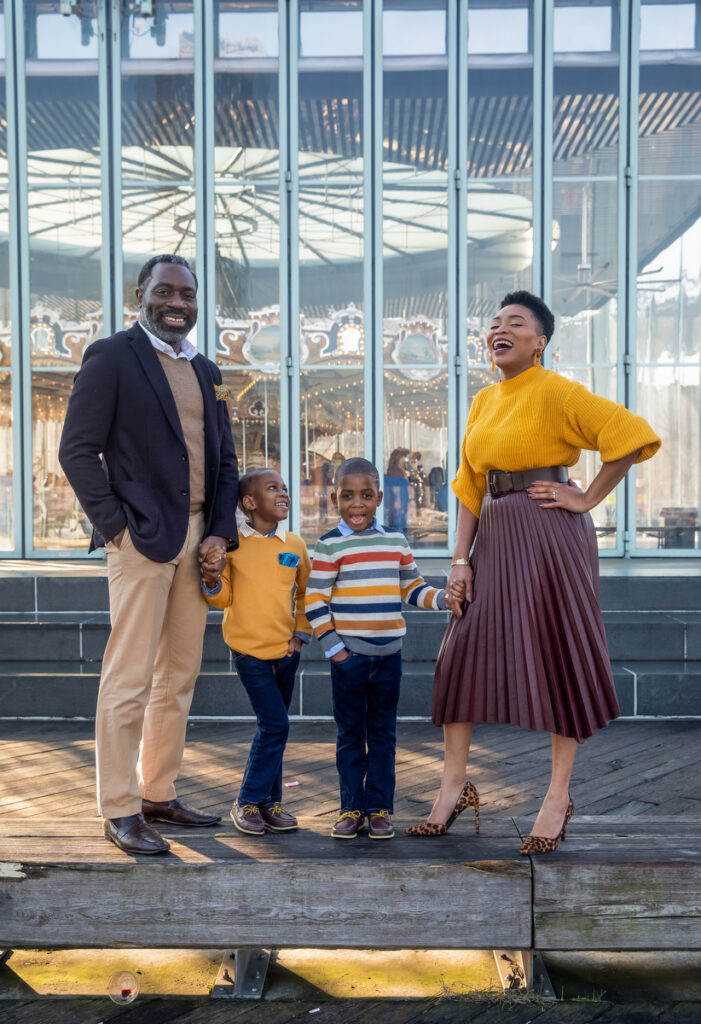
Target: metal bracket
<point>523,971</point>
<point>249,969</point>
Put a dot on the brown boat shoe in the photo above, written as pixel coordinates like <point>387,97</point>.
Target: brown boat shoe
<point>348,825</point>
<point>248,819</point>
<point>380,825</point>
<point>277,819</point>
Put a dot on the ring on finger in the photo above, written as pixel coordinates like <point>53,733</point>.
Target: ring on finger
<point>554,495</point>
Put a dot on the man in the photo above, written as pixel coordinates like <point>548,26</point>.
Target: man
<point>147,448</point>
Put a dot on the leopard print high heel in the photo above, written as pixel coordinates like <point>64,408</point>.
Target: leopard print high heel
<point>539,844</point>
<point>469,797</point>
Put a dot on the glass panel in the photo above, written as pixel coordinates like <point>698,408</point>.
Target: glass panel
<point>415,271</point>
<point>6,442</point>
<point>58,519</point>
<point>330,28</point>
<point>247,219</point>
<point>669,123</point>
<point>332,427</point>
<point>585,277</point>
<point>7,530</point>
<point>414,28</point>
<point>669,278</point>
<point>585,100</point>
<point>582,29</point>
<point>500,90</point>
<point>585,212</point>
<point>667,26</point>
<point>332,335</point>
<point>499,260</point>
<point>497,29</point>
<point>331,226</point>
<point>330,88</point>
<point>65,237</point>
<point>669,364</point>
<point>254,406</point>
<point>158,127</point>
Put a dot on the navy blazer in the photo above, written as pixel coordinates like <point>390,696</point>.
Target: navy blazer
<point>124,453</point>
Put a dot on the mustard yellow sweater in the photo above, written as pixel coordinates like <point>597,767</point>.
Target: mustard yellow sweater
<point>542,419</point>
<point>257,595</point>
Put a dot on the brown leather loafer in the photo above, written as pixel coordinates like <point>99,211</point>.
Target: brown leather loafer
<point>177,813</point>
<point>133,835</point>
<point>348,825</point>
<point>277,819</point>
<point>248,819</point>
<point>380,825</point>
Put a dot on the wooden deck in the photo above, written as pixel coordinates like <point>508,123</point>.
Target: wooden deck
<point>630,878</point>
<point>635,787</point>
<point>630,769</point>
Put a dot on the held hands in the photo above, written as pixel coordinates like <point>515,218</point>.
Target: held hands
<point>555,495</point>
<point>212,563</point>
<point>458,589</point>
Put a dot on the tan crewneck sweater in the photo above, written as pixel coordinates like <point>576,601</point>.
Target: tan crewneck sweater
<point>188,400</point>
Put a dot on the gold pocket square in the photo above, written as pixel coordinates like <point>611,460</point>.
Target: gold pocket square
<point>222,392</point>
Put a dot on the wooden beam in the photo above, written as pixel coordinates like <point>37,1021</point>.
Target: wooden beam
<point>67,887</point>
<point>620,884</point>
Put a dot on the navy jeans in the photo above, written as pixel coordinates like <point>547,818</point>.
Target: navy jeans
<point>269,685</point>
<point>365,697</point>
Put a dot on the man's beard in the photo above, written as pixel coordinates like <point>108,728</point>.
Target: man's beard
<point>170,335</point>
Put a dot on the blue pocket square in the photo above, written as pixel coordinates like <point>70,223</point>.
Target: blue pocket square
<point>288,558</point>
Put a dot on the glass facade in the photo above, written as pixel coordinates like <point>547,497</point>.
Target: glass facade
<point>358,183</point>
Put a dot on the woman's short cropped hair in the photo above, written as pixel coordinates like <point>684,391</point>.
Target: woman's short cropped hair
<point>537,307</point>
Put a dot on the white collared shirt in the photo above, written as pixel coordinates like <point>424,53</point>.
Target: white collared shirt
<point>345,530</point>
<point>246,530</point>
<point>187,349</point>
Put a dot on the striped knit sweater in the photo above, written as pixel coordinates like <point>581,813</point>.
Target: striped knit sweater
<point>356,587</point>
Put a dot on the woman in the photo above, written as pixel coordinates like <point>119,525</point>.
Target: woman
<point>396,500</point>
<point>530,649</point>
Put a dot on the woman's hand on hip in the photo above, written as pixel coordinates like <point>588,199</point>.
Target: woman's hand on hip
<point>555,495</point>
<point>458,588</point>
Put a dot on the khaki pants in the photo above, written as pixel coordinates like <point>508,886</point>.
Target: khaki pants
<point>151,662</point>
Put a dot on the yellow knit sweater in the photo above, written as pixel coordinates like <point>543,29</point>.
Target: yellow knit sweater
<point>542,419</point>
<point>256,595</point>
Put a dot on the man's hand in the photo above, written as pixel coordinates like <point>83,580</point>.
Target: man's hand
<point>343,655</point>
<point>294,646</point>
<point>119,537</point>
<point>211,542</point>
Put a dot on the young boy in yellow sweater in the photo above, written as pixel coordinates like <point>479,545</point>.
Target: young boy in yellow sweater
<point>257,586</point>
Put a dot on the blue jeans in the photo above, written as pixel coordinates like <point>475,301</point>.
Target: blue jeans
<point>365,697</point>
<point>269,685</point>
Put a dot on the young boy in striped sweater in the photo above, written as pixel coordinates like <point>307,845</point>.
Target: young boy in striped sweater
<point>360,574</point>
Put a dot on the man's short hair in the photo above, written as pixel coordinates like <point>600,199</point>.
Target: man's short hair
<point>247,481</point>
<point>537,307</point>
<point>356,466</point>
<point>166,257</point>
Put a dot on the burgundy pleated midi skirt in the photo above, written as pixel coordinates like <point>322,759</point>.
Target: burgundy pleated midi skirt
<point>530,649</point>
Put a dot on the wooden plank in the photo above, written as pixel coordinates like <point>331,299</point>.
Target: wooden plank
<point>629,885</point>
<point>73,889</point>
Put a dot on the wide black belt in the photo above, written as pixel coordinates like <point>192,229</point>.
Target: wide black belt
<point>500,483</point>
